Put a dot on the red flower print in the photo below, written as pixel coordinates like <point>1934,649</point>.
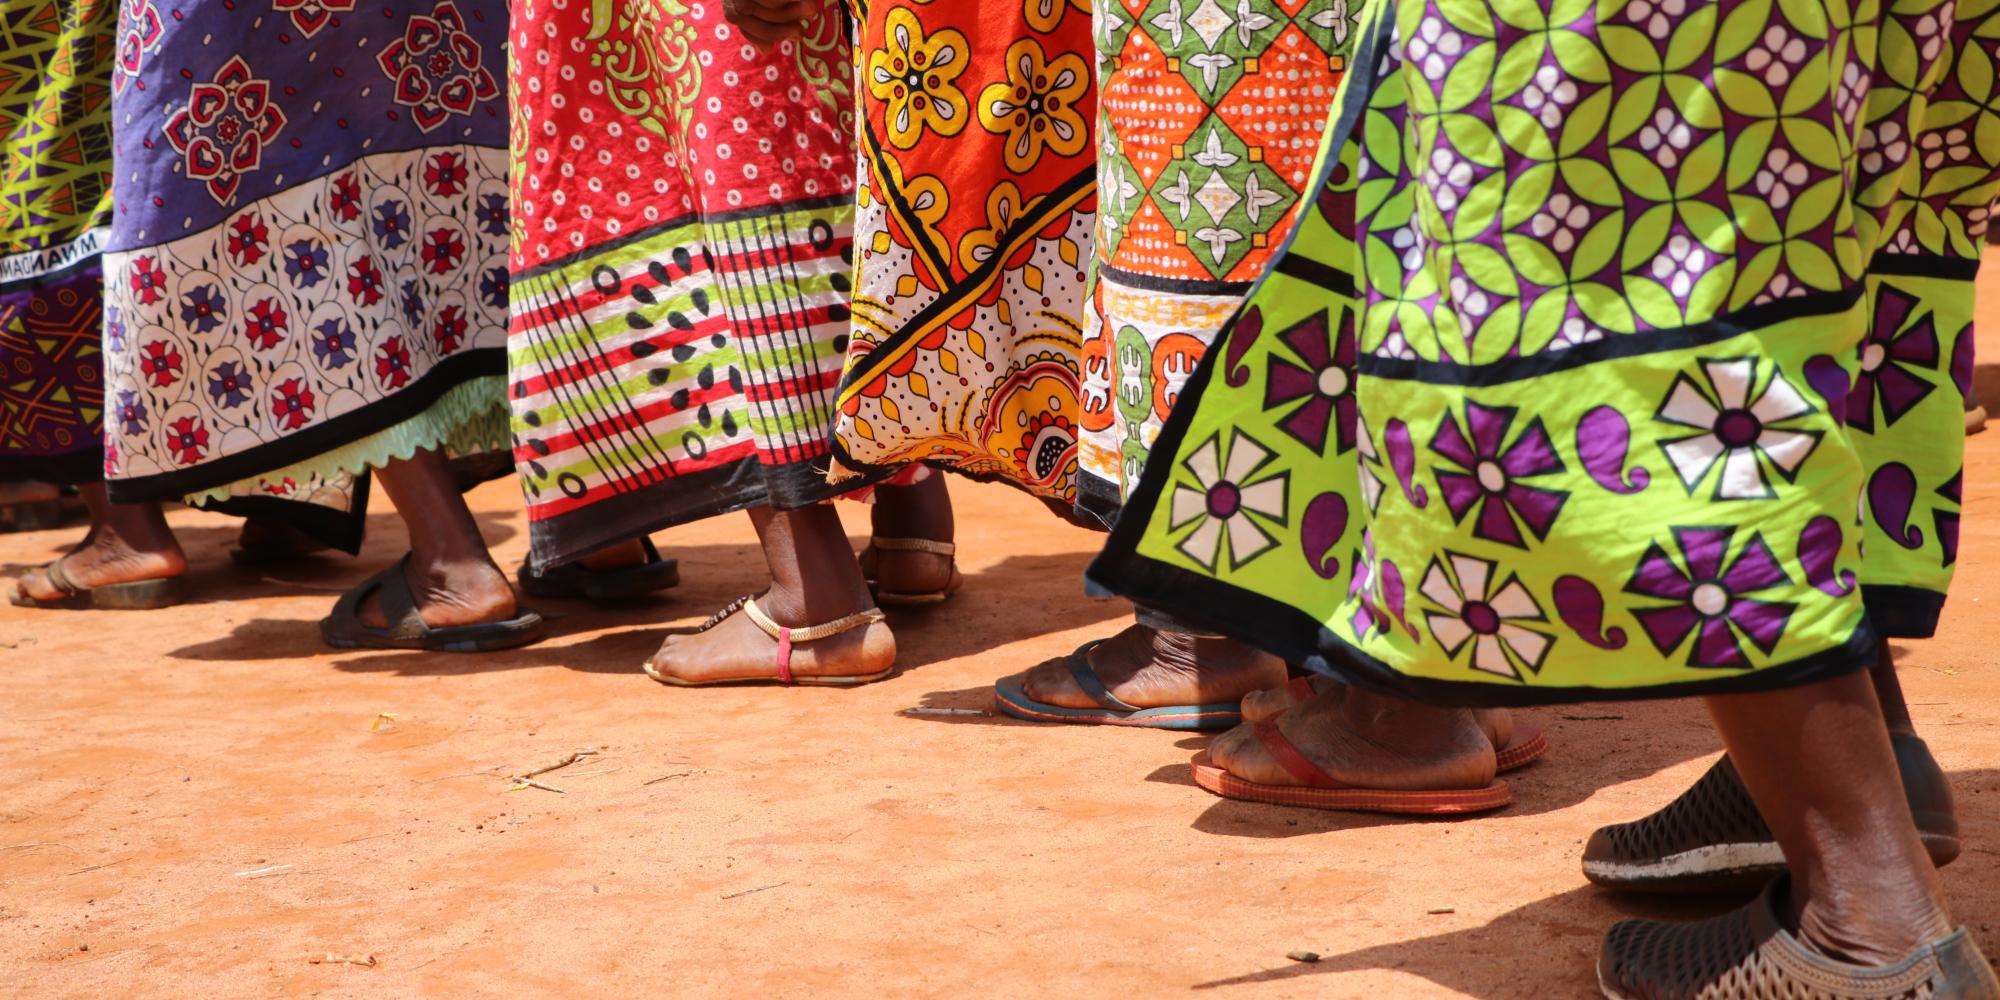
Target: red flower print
<point>442,250</point>
<point>266,324</point>
<point>364,282</point>
<point>222,131</point>
<point>161,363</point>
<point>345,200</point>
<point>392,363</point>
<point>438,68</point>
<point>292,403</point>
<point>445,174</point>
<point>449,330</point>
<point>188,440</point>
<point>249,238</point>
<point>148,281</point>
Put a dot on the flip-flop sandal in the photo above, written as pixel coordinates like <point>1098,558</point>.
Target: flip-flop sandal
<point>946,549</point>
<point>1010,694</point>
<point>343,628</point>
<point>1748,954</point>
<point>1528,744</point>
<point>787,639</point>
<point>1319,790</point>
<point>139,595</point>
<point>575,581</point>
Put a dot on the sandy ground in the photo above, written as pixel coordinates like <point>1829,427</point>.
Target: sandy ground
<point>205,802</point>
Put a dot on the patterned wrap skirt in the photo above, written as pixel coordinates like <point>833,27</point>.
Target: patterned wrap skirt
<point>1623,354</point>
<point>1210,113</point>
<point>306,277</point>
<point>682,244</point>
<point>55,207</point>
<point>977,201</point>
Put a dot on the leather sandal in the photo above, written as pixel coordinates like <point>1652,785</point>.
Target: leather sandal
<point>936,548</point>
<point>787,639</point>
<point>139,595</point>
<point>1525,746</point>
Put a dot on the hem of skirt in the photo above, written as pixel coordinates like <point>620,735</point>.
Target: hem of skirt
<point>342,530</point>
<point>695,496</point>
<point>1099,500</point>
<point>851,469</point>
<point>1903,612</point>
<point>1300,639</point>
<point>75,468</point>
<point>320,438</point>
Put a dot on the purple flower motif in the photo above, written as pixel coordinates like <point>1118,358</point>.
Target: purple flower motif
<point>114,329</point>
<point>1895,349</point>
<point>1740,428</point>
<point>1474,611</point>
<point>491,214</point>
<point>1712,597</point>
<point>204,309</point>
<point>1326,384</point>
<point>131,412</point>
<point>1490,471</point>
<point>305,263</point>
<point>493,287</point>
<point>1229,486</point>
<point>413,303</point>
<point>333,344</point>
<point>392,224</point>
<point>229,385</point>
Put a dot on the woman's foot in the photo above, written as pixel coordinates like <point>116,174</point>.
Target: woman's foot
<point>1273,702</point>
<point>736,649</point>
<point>451,575</point>
<point>450,592</point>
<point>127,543</point>
<point>913,555</point>
<point>1367,741</point>
<point>1151,668</point>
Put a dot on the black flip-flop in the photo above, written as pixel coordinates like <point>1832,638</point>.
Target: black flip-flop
<point>1011,696</point>
<point>343,628</point>
<point>575,581</point>
<point>139,595</point>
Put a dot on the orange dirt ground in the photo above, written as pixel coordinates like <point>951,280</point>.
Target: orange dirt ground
<point>157,768</point>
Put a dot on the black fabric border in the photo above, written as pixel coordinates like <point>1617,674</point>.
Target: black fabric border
<point>695,496</point>
<point>1903,612</point>
<point>75,468</point>
<point>1924,265</point>
<point>1099,499</point>
<point>678,222</point>
<point>343,530</point>
<point>321,437</point>
<point>1171,286</point>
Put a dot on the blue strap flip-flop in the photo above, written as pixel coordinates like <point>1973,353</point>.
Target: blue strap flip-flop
<point>1010,694</point>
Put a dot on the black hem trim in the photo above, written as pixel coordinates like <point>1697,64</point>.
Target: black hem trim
<point>319,438</point>
<point>1903,612</point>
<point>678,222</point>
<point>1924,265</point>
<point>1171,286</point>
<point>1098,499</point>
<point>694,496</point>
<point>74,468</point>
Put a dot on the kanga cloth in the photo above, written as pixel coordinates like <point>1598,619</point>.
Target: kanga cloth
<point>977,200</point>
<point>55,205</point>
<point>307,274</point>
<point>1610,318</point>
<point>683,238</point>
<point>1210,111</point>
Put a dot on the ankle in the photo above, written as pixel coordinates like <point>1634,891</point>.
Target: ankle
<point>1879,928</point>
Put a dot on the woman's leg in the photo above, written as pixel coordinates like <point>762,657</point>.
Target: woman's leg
<point>451,573</point>
<point>815,579</point>
<point>127,543</point>
<point>1817,762</point>
<point>918,512</point>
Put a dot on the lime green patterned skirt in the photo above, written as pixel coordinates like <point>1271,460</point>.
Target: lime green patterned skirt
<point>1624,356</point>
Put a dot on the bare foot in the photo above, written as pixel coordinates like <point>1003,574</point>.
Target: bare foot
<point>909,571</point>
<point>1368,741</point>
<point>466,592</point>
<point>1153,669</point>
<point>736,649</point>
<point>1272,702</point>
<point>922,512</point>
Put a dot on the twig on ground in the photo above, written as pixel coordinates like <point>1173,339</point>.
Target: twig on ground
<point>1594,718</point>
<point>93,868</point>
<point>676,774</point>
<point>746,892</point>
<point>1438,910</point>
<point>928,710</point>
<point>40,843</point>
<point>1303,956</point>
<point>528,780</point>
<point>365,961</point>
<point>488,773</point>
<point>262,872</point>
<point>381,717</point>
<point>522,783</point>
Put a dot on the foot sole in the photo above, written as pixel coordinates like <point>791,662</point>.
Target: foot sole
<point>1010,696</point>
<point>1401,802</point>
